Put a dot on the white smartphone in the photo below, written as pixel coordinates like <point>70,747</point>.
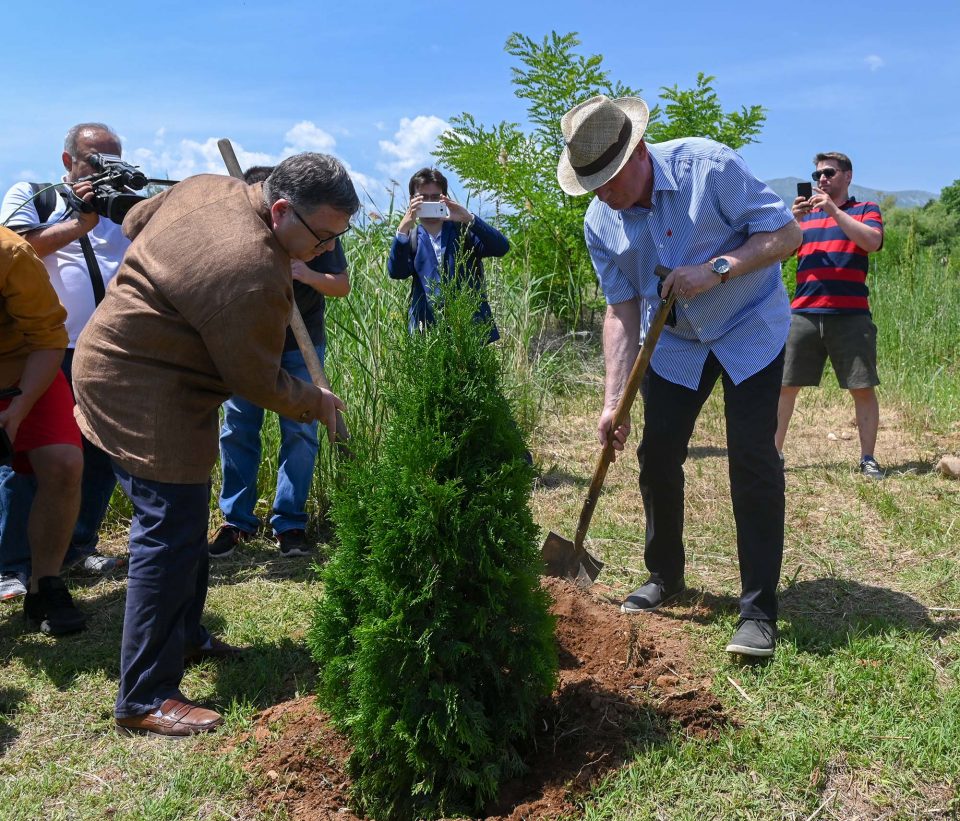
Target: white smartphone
<point>433,210</point>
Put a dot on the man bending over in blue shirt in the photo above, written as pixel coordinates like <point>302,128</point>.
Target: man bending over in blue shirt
<point>693,206</point>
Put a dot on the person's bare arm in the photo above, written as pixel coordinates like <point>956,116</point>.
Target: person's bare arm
<point>866,236</point>
<point>621,344</point>
<point>38,372</point>
<point>46,241</point>
<point>335,285</point>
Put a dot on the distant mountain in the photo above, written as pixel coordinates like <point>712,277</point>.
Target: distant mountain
<point>786,189</point>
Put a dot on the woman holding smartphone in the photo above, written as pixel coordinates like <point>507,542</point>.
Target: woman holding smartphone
<point>448,244</point>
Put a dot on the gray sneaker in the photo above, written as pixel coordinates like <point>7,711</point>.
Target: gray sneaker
<point>870,469</point>
<point>754,637</point>
<point>11,586</point>
<point>94,563</point>
<point>650,596</point>
<point>103,565</point>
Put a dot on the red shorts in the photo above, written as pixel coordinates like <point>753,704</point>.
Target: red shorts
<point>49,422</point>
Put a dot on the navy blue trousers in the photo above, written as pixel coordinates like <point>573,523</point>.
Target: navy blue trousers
<point>756,476</point>
<point>166,589</point>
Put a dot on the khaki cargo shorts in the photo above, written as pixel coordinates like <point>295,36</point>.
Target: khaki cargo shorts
<point>850,340</point>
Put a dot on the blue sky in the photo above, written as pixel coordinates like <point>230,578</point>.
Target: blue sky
<point>375,83</point>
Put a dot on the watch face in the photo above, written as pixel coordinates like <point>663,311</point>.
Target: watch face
<point>721,266</point>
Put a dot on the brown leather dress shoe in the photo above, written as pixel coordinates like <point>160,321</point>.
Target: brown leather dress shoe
<point>218,650</point>
<point>177,718</point>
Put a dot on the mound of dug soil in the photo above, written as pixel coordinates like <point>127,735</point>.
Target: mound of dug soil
<point>624,681</point>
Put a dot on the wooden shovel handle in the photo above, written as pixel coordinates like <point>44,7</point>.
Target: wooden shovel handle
<point>623,409</point>
<point>297,325</point>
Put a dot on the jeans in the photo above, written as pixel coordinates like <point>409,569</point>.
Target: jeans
<point>240,454</point>
<point>16,498</point>
<point>166,589</point>
<point>756,477</point>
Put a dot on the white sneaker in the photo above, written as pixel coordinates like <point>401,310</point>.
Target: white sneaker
<point>11,586</point>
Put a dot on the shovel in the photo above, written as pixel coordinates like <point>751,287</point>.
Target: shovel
<point>571,560</point>
<point>297,325</point>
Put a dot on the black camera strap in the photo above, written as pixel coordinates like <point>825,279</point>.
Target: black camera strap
<point>93,269</point>
<point>45,201</point>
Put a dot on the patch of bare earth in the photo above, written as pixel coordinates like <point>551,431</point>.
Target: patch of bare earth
<point>617,689</point>
<point>858,794</point>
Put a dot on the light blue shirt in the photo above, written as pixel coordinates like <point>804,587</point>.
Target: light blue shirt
<point>705,203</point>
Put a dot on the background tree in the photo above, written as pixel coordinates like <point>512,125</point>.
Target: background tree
<point>434,636</point>
<point>517,167</point>
<point>950,197</point>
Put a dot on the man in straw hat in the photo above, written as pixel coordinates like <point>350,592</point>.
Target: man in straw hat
<point>692,206</point>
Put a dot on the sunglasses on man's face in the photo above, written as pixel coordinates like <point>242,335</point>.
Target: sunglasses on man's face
<point>829,173</point>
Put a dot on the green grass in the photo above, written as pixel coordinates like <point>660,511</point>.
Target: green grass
<point>59,755</point>
<point>866,701</point>
<point>857,716</point>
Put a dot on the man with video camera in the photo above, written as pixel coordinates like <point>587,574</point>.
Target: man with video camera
<point>81,252</point>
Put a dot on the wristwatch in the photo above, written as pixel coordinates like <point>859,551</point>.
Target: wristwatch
<point>721,267</point>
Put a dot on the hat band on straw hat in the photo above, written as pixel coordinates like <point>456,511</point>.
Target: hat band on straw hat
<point>607,156</point>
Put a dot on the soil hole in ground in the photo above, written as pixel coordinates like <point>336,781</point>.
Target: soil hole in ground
<point>618,689</point>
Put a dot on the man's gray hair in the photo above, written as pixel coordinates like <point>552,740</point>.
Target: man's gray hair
<point>70,141</point>
<point>310,180</point>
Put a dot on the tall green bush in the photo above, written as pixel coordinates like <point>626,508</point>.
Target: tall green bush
<point>517,166</point>
<point>433,635</point>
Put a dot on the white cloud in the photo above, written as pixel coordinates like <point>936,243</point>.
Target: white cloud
<point>412,144</point>
<point>305,136</point>
<point>874,61</point>
<point>188,157</point>
<point>409,149</point>
<point>184,158</point>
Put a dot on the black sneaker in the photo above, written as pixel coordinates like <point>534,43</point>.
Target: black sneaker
<point>293,543</point>
<point>51,609</point>
<point>650,596</point>
<point>225,541</point>
<point>870,469</point>
<point>754,637</point>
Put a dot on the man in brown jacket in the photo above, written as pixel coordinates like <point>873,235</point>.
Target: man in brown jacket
<point>39,434</point>
<point>198,311</point>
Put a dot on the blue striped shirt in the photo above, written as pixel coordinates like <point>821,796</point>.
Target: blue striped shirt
<point>705,203</point>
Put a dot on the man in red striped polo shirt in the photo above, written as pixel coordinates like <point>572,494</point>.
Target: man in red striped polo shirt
<point>831,315</point>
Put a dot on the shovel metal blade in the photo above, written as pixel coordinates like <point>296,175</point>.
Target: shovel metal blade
<point>562,560</point>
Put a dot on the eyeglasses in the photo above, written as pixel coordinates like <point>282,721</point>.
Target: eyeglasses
<point>829,173</point>
<point>319,240</point>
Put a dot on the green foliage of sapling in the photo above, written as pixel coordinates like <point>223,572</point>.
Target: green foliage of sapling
<point>434,636</point>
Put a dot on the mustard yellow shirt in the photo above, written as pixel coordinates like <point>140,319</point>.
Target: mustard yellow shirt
<point>31,316</point>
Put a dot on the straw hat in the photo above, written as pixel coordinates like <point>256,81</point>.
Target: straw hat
<point>600,135</point>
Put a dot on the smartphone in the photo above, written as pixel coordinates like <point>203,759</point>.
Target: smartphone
<point>805,190</point>
<point>433,210</point>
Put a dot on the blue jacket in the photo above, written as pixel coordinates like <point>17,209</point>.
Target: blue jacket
<point>483,240</point>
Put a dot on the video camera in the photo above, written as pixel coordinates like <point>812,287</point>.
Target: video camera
<point>113,187</point>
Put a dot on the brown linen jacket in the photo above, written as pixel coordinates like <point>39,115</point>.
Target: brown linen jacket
<point>31,316</point>
<point>198,311</point>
